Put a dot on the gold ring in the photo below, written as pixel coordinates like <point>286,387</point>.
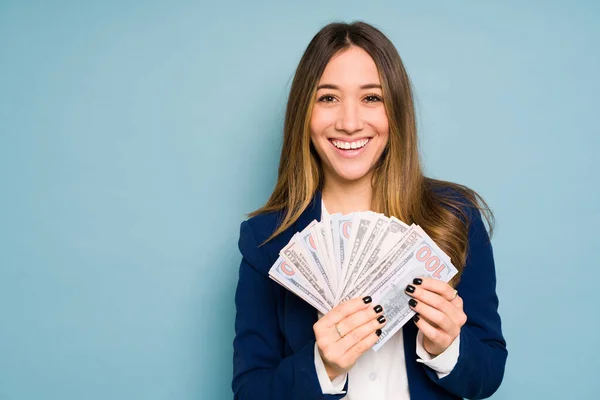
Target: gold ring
<point>455,295</point>
<point>338,331</point>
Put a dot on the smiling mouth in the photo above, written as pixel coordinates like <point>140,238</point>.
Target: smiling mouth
<point>344,145</point>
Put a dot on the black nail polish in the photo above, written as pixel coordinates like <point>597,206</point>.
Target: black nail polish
<point>381,319</point>
<point>378,332</point>
<point>417,281</point>
<point>378,309</point>
<point>416,318</point>
<point>412,303</point>
<point>367,299</point>
<point>410,289</point>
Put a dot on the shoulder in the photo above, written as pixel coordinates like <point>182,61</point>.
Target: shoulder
<point>253,244</point>
<point>263,225</point>
<point>461,200</point>
<point>466,204</point>
<point>450,192</point>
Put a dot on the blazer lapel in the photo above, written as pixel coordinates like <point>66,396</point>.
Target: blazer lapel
<point>313,211</point>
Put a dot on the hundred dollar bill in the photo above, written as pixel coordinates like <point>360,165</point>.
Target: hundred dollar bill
<point>423,259</point>
<point>360,226</point>
<point>309,243</point>
<point>381,271</point>
<point>341,235</point>
<point>328,242</point>
<point>286,276</point>
<point>362,248</point>
<point>372,244</point>
<point>392,236</point>
<point>318,233</point>
<point>295,256</point>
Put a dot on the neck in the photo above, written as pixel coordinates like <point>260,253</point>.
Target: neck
<point>347,196</point>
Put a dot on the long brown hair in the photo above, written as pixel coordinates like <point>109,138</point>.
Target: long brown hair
<point>399,187</point>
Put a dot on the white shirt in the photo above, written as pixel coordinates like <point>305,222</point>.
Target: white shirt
<point>382,374</point>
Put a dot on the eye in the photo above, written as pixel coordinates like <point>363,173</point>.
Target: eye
<point>326,98</point>
<point>373,98</point>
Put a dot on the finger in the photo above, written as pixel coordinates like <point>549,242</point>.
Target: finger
<point>358,334</point>
<point>440,319</point>
<point>434,334</point>
<point>358,318</point>
<point>361,346</point>
<point>341,311</point>
<point>441,288</point>
<point>434,300</point>
<point>458,302</point>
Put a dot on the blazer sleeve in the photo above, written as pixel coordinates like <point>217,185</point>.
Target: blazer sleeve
<point>482,356</point>
<point>260,369</point>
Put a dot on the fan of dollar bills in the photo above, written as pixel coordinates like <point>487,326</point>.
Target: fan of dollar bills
<point>360,254</point>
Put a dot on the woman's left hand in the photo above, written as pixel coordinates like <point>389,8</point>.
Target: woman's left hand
<point>440,313</point>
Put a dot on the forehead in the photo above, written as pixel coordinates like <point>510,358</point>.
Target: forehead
<point>351,67</point>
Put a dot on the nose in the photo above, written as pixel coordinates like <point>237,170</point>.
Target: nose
<point>349,118</point>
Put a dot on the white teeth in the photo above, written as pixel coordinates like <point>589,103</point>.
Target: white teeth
<point>347,145</point>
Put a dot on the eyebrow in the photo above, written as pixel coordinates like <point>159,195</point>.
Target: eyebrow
<point>335,87</point>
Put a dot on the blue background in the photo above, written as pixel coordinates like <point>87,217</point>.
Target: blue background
<point>134,136</point>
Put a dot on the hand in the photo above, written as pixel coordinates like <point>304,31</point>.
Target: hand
<point>346,332</point>
<point>440,314</point>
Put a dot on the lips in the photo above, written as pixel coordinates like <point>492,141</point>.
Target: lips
<point>350,149</point>
<point>349,145</point>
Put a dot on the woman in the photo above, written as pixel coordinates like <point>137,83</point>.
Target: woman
<point>350,144</point>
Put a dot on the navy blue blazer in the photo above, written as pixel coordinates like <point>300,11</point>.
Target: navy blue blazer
<point>273,348</point>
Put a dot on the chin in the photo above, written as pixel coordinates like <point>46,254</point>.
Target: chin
<point>352,174</point>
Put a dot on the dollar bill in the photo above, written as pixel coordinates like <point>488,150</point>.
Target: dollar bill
<point>391,237</point>
<point>422,259</point>
<point>362,246</point>
<point>309,242</point>
<point>341,226</point>
<point>322,234</point>
<point>286,276</point>
<point>361,224</point>
<point>293,253</point>
<point>380,272</point>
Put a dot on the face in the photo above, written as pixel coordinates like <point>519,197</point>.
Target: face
<point>349,127</point>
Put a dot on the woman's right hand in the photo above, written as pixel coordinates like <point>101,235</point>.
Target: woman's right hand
<point>346,332</point>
